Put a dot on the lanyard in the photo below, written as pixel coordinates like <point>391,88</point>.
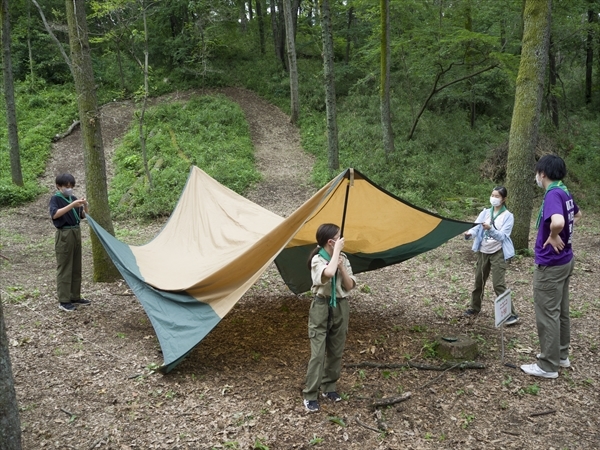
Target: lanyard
<point>492,217</point>
<point>333,301</point>
<point>555,184</point>
<point>69,201</point>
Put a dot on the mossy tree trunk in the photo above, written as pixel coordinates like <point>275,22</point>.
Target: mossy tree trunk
<point>278,29</point>
<point>9,96</point>
<point>526,116</point>
<point>93,148</point>
<point>589,53</point>
<point>330,101</point>
<point>349,35</point>
<point>10,425</point>
<point>384,84</point>
<point>552,78</point>
<point>261,25</point>
<point>292,63</point>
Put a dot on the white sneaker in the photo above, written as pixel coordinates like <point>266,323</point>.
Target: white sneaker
<point>564,363</point>
<point>534,369</point>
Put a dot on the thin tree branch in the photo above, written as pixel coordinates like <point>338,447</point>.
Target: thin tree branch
<point>471,75</point>
<point>435,90</point>
<point>54,38</point>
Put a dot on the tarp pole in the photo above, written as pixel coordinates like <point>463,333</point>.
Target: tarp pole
<point>350,183</point>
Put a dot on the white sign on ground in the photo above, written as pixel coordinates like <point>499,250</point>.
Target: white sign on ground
<point>502,307</point>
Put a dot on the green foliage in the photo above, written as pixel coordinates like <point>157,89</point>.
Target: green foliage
<point>40,115</point>
<point>421,170</point>
<point>315,440</point>
<point>205,44</point>
<point>260,445</point>
<point>533,389</point>
<point>467,420</point>
<point>209,132</point>
<point>337,421</point>
<point>582,150</point>
<point>429,349</point>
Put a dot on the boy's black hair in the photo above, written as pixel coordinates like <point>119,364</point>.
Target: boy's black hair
<point>65,179</point>
<point>553,166</point>
<point>501,190</point>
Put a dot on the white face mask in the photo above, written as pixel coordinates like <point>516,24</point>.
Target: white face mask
<point>495,201</point>
<point>67,192</point>
<point>538,181</point>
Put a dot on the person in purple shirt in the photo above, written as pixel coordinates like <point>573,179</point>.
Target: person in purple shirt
<point>553,268</point>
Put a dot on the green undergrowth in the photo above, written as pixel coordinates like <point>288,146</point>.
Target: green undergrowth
<point>210,132</point>
<point>435,170</point>
<point>42,113</point>
<point>440,168</point>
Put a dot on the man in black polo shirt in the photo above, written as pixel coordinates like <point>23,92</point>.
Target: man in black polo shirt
<point>66,212</point>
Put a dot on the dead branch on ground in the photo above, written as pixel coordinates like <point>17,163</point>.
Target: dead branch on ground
<point>362,424</point>
<point>58,137</point>
<point>445,366</point>
<point>543,413</point>
<point>391,400</point>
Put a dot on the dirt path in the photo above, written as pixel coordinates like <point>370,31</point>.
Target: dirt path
<point>83,380</point>
<point>279,157</point>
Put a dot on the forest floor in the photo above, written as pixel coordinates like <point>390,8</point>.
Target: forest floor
<point>84,380</point>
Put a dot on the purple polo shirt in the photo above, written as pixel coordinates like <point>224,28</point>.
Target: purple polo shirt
<point>556,201</point>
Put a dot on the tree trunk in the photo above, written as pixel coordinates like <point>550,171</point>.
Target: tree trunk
<point>243,17</point>
<point>526,116</point>
<point>589,57</point>
<point>120,65</point>
<point>384,85</point>
<point>261,25</point>
<point>295,8</point>
<point>348,39</point>
<point>277,34</point>
<point>10,425</point>
<point>273,25</point>
<point>29,49</point>
<point>470,56</point>
<point>282,38</point>
<point>291,53</point>
<point>502,33</point>
<point>145,67</point>
<point>552,77</point>
<point>9,96</point>
<point>330,101</point>
<point>93,148</point>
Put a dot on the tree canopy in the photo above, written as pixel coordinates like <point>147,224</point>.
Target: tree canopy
<point>452,72</point>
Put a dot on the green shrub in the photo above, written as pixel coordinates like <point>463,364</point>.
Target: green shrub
<point>12,195</point>
<point>208,131</point>
<point>41,114</point>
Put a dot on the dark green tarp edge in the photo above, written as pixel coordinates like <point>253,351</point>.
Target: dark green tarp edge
<point>179,320</point>
<point>292,263</point>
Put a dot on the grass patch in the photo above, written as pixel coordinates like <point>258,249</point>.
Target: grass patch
<point>210,132</point>
<point>42,113</point>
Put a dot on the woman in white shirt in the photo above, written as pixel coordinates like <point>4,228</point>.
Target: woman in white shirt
<point>494,247</point>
